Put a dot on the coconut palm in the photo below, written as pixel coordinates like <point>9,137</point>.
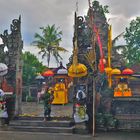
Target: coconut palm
<point>128,54</point>
<point>48,43</point>
<point>118,49</point>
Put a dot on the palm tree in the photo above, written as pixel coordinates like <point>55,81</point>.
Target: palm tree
<point>127,54</point>
<point>119,50</point>
<point>48,43</point>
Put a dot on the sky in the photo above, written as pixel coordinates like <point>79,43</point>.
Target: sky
<point>40,13</point>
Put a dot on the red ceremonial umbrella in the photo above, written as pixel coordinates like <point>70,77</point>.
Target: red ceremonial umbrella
<point>47,73</point>
<point>127,71</point>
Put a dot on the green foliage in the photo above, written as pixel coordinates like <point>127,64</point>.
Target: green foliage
<point>133,32</point>
<point>106,120</point>
<point>31,66</point>
<point>30,99</point>
<point>48,43</point>
<point>105,8</point>
<point>101,9</point>
<point>132,37</point>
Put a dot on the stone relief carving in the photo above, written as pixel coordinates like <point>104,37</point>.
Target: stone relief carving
<point>14,44</point>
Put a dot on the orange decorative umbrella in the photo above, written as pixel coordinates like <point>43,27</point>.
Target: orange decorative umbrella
<point>127,71</point>
<point>47,73</point>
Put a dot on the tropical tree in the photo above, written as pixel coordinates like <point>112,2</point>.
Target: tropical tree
<point>101,9</point>
<point>31,66</point>
<point>118,49</point>
<point>132,38</point>
<point>48,43</point>
<point>131,50</point>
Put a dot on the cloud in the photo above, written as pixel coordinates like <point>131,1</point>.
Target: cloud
<point>37,13</point>
<point>121,13</point>
<point>124,7</point>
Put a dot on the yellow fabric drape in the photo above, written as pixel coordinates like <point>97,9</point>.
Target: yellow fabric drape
<point>75,53</point>
<point>109,45</point>
<point>109,54</point>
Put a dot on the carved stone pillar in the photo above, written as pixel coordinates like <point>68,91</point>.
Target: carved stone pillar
<point>14,44</point>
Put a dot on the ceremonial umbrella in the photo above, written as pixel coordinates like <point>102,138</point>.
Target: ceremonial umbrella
<point>115,71</point>
<point>48,73</point>
<point>39,77</point>
<point>77,69</point>
<point>3,69</point>
<point>62,71</point>
<point>127,71</point>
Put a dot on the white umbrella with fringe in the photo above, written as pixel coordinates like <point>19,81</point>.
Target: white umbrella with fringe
<point>3,69</point>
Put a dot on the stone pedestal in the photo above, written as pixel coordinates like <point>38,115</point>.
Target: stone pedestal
<point>81,128</point>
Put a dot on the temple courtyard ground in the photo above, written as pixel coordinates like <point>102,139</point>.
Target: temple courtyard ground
<point>37,109</point>
<point>6,135</point>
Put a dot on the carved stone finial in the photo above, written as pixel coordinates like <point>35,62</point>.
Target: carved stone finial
<point>15,26</point>
<point>4,36</point>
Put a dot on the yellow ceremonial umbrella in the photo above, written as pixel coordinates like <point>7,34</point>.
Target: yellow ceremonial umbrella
<point>77,69</point>
<point>115,71</point>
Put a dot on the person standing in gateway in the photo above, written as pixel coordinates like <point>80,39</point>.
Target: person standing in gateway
<point>47,98</point>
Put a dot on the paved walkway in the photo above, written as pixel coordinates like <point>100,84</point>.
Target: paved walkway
<point>4,135</point>
<point>41,136</point>
<point>35,109</point>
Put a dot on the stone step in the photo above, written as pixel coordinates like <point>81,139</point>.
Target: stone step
<point>132,117</point>
<point>38,129</point>
<point>42,123</point>
<point>129,125</point>
<point>41,118</point>
<point>36,124</point>
<point>136,94</point>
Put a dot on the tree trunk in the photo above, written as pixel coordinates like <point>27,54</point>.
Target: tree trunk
<point>49,58</point>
